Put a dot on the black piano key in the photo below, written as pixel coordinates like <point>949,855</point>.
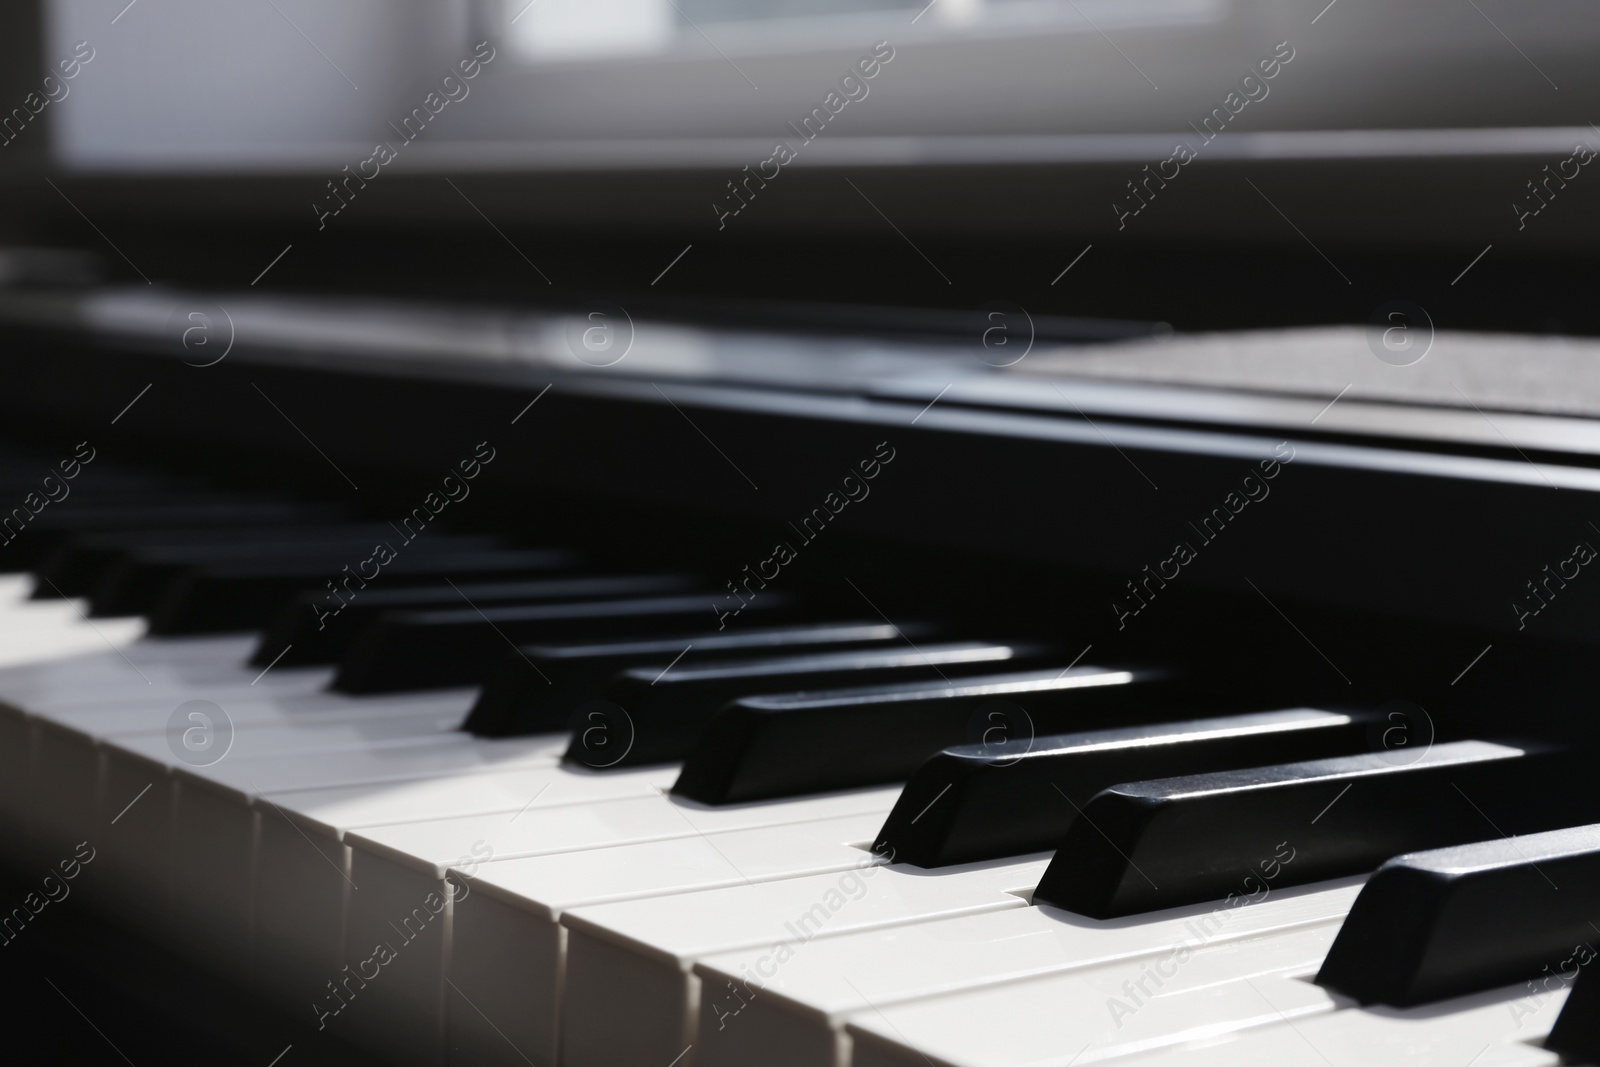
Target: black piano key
<point>1576,1034</point>
<point>788,744</point>
<point>978,802</point>
<point>1432,925</point>
<point>76,567</point>
<point>433,649</point>
<point>87,504</point>
<point>535,689</point>
<point>134,583</point>
<point>668,706</point>
<point>241,596</point>
<point>1141,846</point>
<point>52,527</point>
<point>318,628</point>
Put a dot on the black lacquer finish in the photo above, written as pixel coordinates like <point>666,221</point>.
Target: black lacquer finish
<point>1159,844</point>
<point>137,581</point>
<point>976,802</point>
<point>77,566</point>
<point>147,512</point>
<point>1453,921</point>
<point>785,745</point>
<point>1576,1035</point>
<point>669,708</point>
<point>318,627</point>
<point>535,689</point>
<point>243,596</point>
<point>430,649</point>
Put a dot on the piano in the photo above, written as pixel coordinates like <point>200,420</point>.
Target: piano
<point>400,668</point>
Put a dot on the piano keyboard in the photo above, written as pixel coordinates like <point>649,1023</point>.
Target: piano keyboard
<point>400,837</point>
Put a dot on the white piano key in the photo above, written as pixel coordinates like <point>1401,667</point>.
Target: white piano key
<point>1481,1030</point>
<point>508,946</point>
<point>15,589</point>
<point>253,739</point>
<point>70,767</point>
<point>213,839</point>
<point>810,997</point>
<point>252,717</point>
<point>213,818</point>
<point>34,631</point>
<point>437,757</point>
<point>61,636</point>
<point>60,613</point>
<point>1095,1014</point>
<point>141,855</point>
<point>122,698</point>
<point>401,869</point>
<point>149,665</point>
<point>64,785</point>
<point>641,952</point>
<point>128,716</point>
<point>102,697</point>
<point>50,686</point>
<point>303,867</point>
<point>71,611</point>
<point>123,695</point>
